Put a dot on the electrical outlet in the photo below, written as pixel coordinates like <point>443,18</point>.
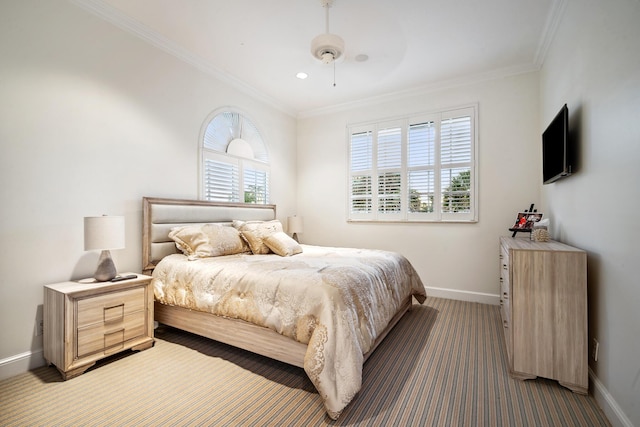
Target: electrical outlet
<point>39,327</point>
<point>594,350</point>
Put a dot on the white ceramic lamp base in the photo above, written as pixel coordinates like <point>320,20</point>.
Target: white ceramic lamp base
<point>106,268</point>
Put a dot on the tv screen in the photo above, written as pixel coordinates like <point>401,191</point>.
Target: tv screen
<point>556,150</point>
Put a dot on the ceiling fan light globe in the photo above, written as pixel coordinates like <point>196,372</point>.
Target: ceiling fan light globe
<point>327,58</point>
<point>327,44</point>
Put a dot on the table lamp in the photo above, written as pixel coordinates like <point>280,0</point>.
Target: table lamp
<point>104,233</point>
<point>294,226</point>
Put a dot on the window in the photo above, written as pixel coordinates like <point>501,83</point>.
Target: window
<point>234,161</point>
<point>421,168</point>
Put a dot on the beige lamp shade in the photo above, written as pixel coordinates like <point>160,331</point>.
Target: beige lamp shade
<point>294,224</point>
<point>104,233</point>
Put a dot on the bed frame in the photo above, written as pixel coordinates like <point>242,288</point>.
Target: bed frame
<point>159,216</point>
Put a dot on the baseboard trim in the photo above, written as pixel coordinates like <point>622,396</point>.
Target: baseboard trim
<point>483,298</point>
<point>607,403</point>
<point>21,363</point>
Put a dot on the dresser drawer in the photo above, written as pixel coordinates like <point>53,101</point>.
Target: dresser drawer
<point>504,263</point>
<point>505,306</point>
<point>505,292</point>
<point>109,308</point>
<point>110,336</point>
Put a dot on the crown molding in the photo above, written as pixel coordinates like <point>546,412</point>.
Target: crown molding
<point>556,12</point>
<point>422,90</point>
<point>120,20</point>
<point>124,22</point>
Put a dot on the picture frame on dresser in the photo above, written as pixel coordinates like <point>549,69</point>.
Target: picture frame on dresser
<point>526,220</point>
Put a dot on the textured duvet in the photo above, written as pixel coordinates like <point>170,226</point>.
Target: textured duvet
<point>336,300</point>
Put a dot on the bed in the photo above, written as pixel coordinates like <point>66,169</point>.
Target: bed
<point>324,309</point>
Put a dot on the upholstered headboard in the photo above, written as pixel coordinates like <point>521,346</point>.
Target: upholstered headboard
<point>159,216</point>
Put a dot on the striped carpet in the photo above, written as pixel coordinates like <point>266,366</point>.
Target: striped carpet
<point>442,365</point>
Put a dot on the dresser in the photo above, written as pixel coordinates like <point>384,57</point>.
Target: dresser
<point>86,321</point>
<point>543,304</point>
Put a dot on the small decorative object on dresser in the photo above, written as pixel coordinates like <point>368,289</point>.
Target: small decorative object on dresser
<point>540,235</point>
<point>525,221</point>
<point>543,304</point>
<point>86,321</point>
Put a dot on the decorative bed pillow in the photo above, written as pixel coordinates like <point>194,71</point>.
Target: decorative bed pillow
<point>254,232</point>
<point>208,240</point>
<point>281,244</point>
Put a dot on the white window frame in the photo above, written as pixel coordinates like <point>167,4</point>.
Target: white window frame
<point>372,169</point>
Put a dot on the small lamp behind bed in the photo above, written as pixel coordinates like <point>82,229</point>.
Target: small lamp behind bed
<point>104,233</point>
<point>294,226</point>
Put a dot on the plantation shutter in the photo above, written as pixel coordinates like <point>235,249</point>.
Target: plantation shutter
<point>221,180</point>
<point>456,161</point>
<point>256,185</point>
<point>421,168</point>
<point>389,170</point>
<point>361,153</point>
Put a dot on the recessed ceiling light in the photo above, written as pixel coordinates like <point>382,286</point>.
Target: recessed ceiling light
<point>302,75</point>
<point>362,57</point>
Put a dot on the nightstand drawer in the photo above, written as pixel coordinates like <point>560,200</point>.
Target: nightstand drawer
<point>110,308</point>
<point>110,336</point>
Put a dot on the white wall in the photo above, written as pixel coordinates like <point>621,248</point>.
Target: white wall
<point>91,120</point>
<point>593,65</point>
<point>459,257</point>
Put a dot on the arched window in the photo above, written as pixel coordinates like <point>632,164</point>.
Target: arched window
<point>234,160</point>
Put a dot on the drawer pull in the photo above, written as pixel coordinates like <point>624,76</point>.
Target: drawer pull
<point>114,339</point>
<point>114,313</point>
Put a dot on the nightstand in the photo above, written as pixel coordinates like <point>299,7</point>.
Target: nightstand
<point>86,321</point>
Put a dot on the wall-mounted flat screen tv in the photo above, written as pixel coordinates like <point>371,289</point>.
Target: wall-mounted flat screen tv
<point>557,153</point>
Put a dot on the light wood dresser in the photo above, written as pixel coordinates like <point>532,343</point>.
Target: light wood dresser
<point>85,322</point>
<point>543,298</point>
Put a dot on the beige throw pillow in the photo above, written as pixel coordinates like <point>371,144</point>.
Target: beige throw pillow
<point>208,240</point>
<point>281,244</point>
<point>254,233</point>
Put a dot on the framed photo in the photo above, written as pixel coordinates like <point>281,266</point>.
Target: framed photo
<point>525,220</point>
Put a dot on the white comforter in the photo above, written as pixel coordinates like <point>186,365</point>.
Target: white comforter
<point>336,300</point>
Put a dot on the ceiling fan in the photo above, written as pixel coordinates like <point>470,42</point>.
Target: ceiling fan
<point>327,47</point>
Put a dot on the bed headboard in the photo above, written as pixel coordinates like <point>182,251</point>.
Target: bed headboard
<point>159,216</point>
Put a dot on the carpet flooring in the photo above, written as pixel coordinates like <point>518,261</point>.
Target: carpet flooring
<point>443,365</point>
